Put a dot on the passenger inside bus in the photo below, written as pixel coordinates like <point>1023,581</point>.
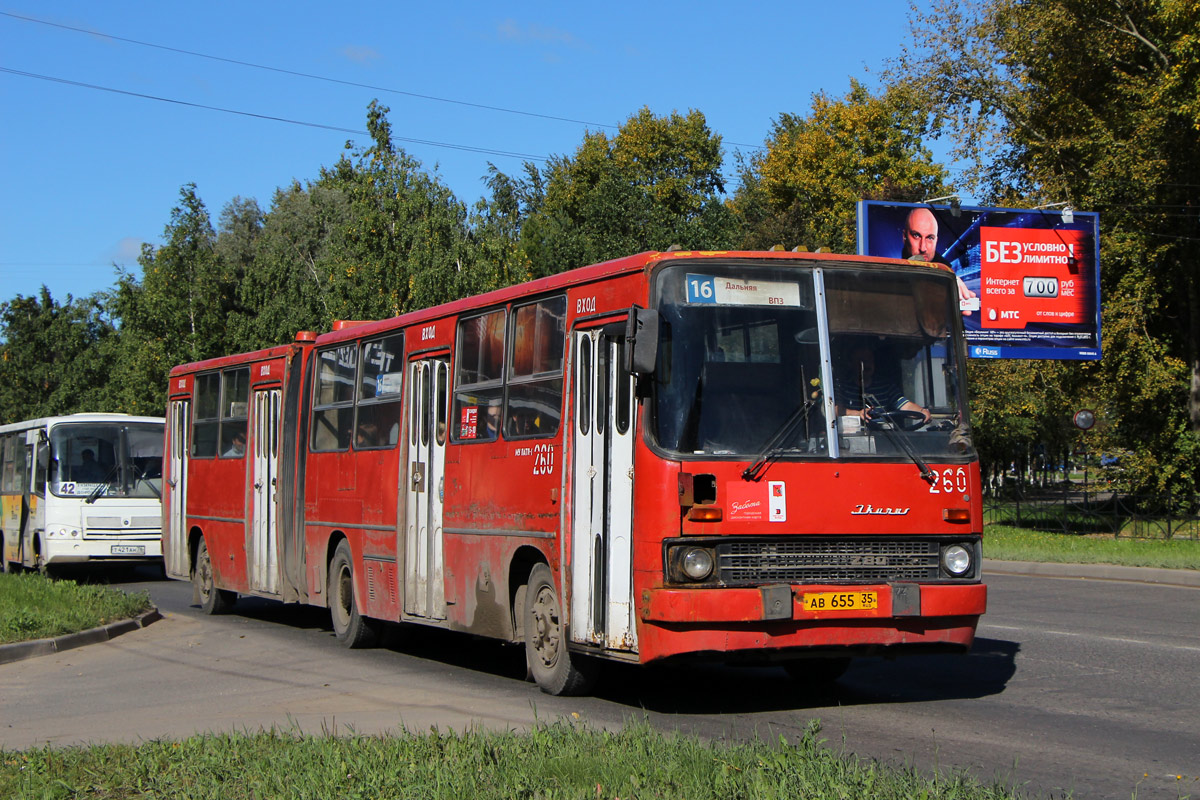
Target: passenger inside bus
<point>367,435</point>
<point>237,447</point>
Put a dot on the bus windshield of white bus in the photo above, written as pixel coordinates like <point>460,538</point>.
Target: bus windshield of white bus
<point>742,367</point>
<point>98,460</point>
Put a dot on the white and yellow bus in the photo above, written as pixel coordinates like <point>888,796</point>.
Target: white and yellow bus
<point>81,488</point>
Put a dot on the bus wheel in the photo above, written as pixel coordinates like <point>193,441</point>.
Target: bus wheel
<point>553,667</point>
<point>212,599</point>
<point>351,628</point>
<point>816,671</point>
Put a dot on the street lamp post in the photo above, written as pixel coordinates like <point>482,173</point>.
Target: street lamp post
<point>1084,419</point>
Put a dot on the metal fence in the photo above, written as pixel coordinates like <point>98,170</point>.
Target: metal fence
<point>1079,509</point>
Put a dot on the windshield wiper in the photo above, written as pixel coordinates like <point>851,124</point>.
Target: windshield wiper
<point>899,437</point>
<point>772,449</point>
<point>143,479</point>
<point>101,487</point>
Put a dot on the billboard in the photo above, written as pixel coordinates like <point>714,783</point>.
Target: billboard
<point>1029,279</point>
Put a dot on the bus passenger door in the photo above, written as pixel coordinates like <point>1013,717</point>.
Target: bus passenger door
<point>602,495</point>
<point>425,422</point>
<point>175,552</point>
<point>264,544</point>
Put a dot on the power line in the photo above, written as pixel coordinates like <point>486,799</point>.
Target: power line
<point>310,76</point>
<point>327,79</point>
<point>353,131</point>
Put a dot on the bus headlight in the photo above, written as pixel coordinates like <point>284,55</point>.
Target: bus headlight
<point>697,563</point>
<point>956,560</point>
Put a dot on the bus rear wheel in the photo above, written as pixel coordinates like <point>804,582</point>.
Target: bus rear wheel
<point>554,669</point>
<point>351,628</point>
<point>212,599</point>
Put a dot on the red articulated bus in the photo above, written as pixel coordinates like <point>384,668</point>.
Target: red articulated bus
<point>747,456</point>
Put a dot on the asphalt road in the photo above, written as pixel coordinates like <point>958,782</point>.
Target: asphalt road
<point>1081,685</point>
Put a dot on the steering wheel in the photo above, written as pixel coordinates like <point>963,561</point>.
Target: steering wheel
<point>903,419</point>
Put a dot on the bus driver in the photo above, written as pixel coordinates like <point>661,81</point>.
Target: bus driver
<point>860,387</point>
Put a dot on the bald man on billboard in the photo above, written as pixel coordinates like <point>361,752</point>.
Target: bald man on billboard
<point>920,244</point>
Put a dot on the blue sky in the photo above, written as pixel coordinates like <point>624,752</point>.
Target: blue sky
<point>92,166</point>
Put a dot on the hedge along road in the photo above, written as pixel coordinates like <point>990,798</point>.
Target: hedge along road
<point>1085,685</point>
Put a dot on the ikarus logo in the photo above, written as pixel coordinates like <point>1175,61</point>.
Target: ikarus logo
<point>883,512</point>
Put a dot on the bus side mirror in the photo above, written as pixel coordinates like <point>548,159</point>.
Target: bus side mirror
<point>641,341</point>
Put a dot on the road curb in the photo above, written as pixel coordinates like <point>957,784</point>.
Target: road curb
<point>18,651</point>
<point>1105,572</point>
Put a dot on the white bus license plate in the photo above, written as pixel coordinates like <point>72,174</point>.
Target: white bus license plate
<point>129,549</point>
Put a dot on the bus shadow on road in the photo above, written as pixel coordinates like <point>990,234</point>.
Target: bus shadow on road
<point>696,688</point>
<point>721,689</point>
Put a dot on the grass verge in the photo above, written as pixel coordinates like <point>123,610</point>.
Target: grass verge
<point>562,760</point>
<point>1007,543</point>
<point>33,606</point>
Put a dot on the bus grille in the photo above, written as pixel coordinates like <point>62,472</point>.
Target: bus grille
<point>862,558</point>
<point>115,526</point>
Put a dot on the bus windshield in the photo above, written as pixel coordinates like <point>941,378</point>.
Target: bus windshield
<point>100,460</point>
<point>742,366</point>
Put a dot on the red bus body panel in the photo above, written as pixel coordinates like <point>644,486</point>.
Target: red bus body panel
<point>507,504</point>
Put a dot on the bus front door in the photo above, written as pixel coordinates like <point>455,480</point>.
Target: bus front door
<point>425,420</point>
<point>601,595</point>
<point>264,540</point>
<point>175,552</point>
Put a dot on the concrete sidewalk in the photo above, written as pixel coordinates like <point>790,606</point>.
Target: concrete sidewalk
<point>1103,572</point>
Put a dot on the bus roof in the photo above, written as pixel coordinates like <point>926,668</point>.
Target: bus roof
<point>345,330</point>
<point>90,416</point>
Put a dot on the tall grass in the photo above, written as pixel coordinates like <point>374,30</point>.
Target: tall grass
<point>33,606</point>
<point>563,760</point>
<point>1008,543</point>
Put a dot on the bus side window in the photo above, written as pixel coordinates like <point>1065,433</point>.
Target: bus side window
<point>535,384</point>
<point>333,412</point>
<point>235,409</point>
<point>206,424</point>
<point>379,394</point>
<point>40,467</point>
<point>479,378</point>
<point>5,465</point>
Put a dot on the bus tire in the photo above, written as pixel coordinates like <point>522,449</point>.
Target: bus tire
<point>554,668</point>
<point>212,599</point>
<point>817,671</point>
<point>352,629</point>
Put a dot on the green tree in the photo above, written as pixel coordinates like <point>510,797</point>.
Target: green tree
<point>498,259</point>
<point>175,313</point>
<point>288,289</point>
<point>657,182</point>
<point>373,236</point>
<point>1096,104</point>
<point>52,356</point>
<point>803,189</point>
<point>406,239</point>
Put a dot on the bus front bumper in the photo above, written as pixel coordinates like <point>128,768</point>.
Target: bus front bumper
<point>784,620</point>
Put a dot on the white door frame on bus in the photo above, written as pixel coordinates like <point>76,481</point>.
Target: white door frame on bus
<point>175,555</point>
<point>264,534</point>
<point>426,401</point>
<point>603,429</point>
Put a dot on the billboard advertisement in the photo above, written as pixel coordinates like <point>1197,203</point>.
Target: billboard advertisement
<point>1029,279</point>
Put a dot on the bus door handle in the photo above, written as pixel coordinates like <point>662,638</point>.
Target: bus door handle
<point>418,476</point>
